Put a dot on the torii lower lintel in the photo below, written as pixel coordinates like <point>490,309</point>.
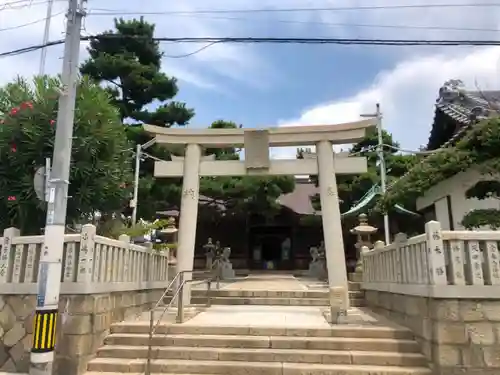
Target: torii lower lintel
<point>175,168</point>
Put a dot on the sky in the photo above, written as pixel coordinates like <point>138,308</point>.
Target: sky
<point>263,85</point>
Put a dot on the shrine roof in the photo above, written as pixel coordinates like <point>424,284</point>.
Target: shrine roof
<point>299,200</point>
<point>456,110</point>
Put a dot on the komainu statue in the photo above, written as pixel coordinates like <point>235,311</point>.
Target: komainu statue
<point>317,266</point>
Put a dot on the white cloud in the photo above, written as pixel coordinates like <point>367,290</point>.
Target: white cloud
<point>407,94</point>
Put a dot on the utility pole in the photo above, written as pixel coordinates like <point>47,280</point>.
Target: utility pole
<point>381,160</point>
<point>139,152</point>
<point>46,35</point>
<point>49,274</point>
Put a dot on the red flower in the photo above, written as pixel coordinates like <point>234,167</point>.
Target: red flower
<point>13,148</point>
<point>26,105</point>
<point>52,122</point>
<point>11,198</point>
<point>14,111</point>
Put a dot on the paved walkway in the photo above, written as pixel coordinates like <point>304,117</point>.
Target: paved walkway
<point>261,316</point>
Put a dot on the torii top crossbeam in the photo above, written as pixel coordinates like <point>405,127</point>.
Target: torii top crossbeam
<point>277,137</point>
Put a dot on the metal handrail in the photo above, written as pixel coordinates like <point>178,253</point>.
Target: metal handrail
<point>180,307</point>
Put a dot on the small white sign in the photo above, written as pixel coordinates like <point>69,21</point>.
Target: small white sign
<point>52,195</point>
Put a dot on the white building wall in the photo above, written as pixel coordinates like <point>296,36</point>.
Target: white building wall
<point>455,187</point>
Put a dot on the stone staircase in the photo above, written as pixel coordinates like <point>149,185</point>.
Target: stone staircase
<point>196,349</point>
<point>272,297</point>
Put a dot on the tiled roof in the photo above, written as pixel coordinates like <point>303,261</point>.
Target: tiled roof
<point>464,107</point>
<point>299,200</point>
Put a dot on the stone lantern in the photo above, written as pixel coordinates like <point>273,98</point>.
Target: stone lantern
<point>168,235</point>
<point>363,231</point>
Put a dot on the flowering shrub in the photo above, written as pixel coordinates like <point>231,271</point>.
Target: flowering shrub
<point>100,165</point>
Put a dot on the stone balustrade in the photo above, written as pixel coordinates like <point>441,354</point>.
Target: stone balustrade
<point>103,281</point>
<point>454,264</point>
<point>91,264</point>
<point>445,287</point>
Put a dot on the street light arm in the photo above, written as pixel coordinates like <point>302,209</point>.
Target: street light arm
<point>148,144</point>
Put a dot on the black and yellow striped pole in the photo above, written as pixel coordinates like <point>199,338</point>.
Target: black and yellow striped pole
<point>44,331</point>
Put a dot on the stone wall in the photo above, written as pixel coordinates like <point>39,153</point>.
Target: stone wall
<point>83,324</point>
<point>458,336</point>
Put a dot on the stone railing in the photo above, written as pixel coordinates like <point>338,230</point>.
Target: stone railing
<point>441,264</point>
<point>103,281</point>
<point>91,264</point>
<point>445,287</point>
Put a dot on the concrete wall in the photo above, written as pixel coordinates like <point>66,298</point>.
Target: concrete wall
<point>455,187</point>
<point>458,336</point>
<point>84,322</point>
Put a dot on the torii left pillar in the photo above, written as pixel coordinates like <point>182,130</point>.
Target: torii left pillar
<point>188,215</point>
<point>332,232</point>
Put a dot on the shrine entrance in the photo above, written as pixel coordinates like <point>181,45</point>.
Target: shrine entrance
<point>257,143</point>
<point>270,248</point>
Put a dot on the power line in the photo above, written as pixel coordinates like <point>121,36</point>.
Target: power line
<point>30,23</point>
<point>191,53</point>
<point>250,40</point>
<point>20,4</point>
<point>117,12</point>
<point>343,24</point>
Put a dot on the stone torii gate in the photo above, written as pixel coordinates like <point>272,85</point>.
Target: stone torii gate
<point>257,162</point>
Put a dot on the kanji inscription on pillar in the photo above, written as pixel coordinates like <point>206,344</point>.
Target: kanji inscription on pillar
<point>189,193</point>
<point>331,191</point>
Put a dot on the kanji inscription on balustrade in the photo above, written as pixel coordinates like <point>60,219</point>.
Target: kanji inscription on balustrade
<point>475,261</point>
<point>492,258</point>
<point>435,253</point>
<point>457,262</point>
<point>29,275</point>
<point>86,254</point>
<point>18,263</point>
<point>69,262</point>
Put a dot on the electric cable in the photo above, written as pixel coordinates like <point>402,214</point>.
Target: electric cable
<point>249,40</point>
<point>191,53</point>
<point>343,24</point>
<point>21,4</point>
<point>40,20</point>
<point>116,12</point>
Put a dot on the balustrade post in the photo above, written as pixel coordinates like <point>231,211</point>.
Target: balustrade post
<point>7,254</point>
<point>124,272</point>
<point>435,253</point>
<point>86,255</point>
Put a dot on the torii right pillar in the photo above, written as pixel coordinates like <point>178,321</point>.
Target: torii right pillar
<point>332,232</point>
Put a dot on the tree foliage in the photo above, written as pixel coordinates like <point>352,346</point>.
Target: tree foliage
<point>242,195</point>
<point>129,60</point>
<point>352,188</point>
<point>479,148</point>
<point>489,217</point>
<point>100,173</point>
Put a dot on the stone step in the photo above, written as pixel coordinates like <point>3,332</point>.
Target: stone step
<point>355,302</point>
<point>376,332</point>
<point>268,293</point>
<point>266,355</point>
<point>247,368</point>
<point>275,342</point>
